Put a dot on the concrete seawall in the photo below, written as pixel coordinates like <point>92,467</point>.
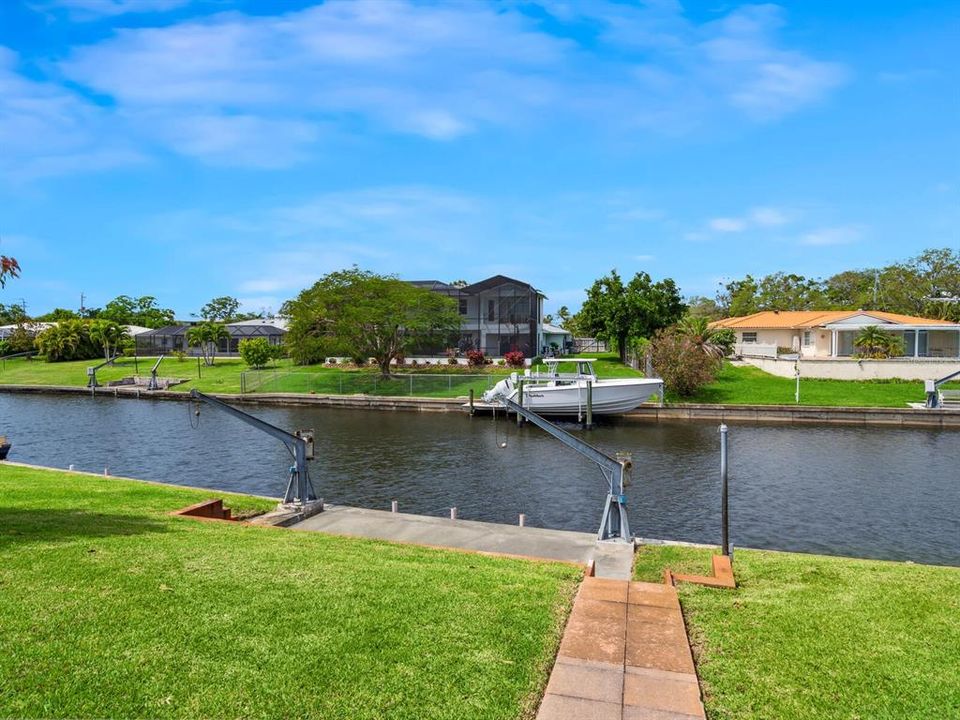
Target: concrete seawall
<point>788,414</point>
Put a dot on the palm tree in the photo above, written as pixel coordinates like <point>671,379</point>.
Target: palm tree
<point>206,336</point>
<point>108,334</point>
<point>713,342</point>
<point>876,343</point>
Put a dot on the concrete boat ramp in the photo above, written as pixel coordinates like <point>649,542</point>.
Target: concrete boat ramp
<point>614,560</point>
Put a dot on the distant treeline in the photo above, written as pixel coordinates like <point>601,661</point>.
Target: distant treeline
<point>923,285</point>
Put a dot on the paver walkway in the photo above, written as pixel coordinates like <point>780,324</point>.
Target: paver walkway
<point>624,656</point>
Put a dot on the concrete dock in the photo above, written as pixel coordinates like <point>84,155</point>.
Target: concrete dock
<point>614,560</point>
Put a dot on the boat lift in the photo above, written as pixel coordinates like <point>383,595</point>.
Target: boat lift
<point>153,384</point>
<point>92,371</point>
<point>614,526</point>
<point>300,490</point>
<point>933,392</point>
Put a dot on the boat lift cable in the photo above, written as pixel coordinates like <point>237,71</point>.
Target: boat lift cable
<point>299,488</point>
<point>613,526</point>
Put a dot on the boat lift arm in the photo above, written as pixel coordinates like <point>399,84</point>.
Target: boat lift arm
<point>614,526</point>
<point>153,384</point>
<point>299,489</point>
<point>933,394</point>
<point>92,371</point>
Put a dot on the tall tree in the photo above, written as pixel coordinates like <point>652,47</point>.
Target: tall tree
<point>143,311</point>
<point>220,309</point>
<point>617,312</point>
<point>367,315</point>
<point>738,297</point>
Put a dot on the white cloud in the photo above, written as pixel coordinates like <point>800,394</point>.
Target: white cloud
<point>727,225</point>
<point>839,235</point>
<point>48,130</point>
<point>268,91</point>
<point>756,217</point>
<point>768,217</point>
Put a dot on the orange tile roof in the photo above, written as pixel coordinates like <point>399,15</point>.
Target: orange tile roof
<point>801,319</point>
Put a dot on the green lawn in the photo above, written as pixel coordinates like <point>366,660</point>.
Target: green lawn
<point>809,636</point>
<point>224,376</point>
<point>110,607</point>
<point>744,385</point>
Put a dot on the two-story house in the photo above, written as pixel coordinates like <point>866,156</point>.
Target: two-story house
<point>497,315</point>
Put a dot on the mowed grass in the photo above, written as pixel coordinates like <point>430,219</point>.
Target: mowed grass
<point>224,376</point>
<point>744,385</point>
<point>110,607</point>
<point>809,636</point>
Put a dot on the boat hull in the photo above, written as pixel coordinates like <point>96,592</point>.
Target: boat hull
<point>609,397</point>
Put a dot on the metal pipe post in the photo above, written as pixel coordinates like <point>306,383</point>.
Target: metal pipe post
<point>724,516</point>
<point>394,506</point>
<point>520,402</point>
<point>589,405</point>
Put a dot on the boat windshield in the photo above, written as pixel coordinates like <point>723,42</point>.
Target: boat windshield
<point>582,367</point>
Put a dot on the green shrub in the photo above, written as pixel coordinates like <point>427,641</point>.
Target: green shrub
<point>258,352</point>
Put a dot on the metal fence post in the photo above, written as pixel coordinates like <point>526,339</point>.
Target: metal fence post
<point>724,518</point>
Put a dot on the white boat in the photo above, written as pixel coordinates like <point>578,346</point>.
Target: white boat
<point>556,393</point>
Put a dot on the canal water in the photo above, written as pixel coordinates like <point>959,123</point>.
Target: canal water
<point>866,492</point>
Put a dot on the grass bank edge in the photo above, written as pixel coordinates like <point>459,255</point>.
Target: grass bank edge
<point>493,588</point>
<point>808,635</point>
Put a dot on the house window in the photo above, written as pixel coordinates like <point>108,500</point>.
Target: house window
<point>463,306</point>
<point>748,337</point>
<point>491,310</point>
<point>807,338</point>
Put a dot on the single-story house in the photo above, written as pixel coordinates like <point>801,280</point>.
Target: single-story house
<point>173,338</point>
<point>831,333</point>
<point>556,339</point>
<point>32,328</point>
<point>497,315</point>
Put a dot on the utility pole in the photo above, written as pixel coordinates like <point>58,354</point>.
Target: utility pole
<point>82,297</point>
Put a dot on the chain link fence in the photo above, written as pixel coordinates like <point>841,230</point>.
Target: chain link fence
<point>364,383</point>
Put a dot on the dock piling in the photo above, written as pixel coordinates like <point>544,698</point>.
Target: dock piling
<point>394,506</point>
<point>520,402</point>
<point>724,519</point>
<point>523,520</point>
<point>453,513</point>
<point>471,401</point>
<point>589,405</point>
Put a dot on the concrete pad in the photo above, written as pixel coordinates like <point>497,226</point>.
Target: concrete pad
<point>590,681</point>
<point>614,560</point>
<point>560,707</point>
<point>460,534</point>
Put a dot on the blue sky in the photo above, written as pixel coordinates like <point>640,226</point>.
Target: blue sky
<point>194,148</point>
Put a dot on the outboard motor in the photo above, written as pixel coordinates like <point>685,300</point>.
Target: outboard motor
<point>502,389</point>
